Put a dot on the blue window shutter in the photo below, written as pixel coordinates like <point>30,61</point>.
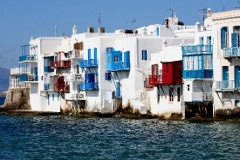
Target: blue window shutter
<point>234,39</point>
<point>223,37</point>
<point>144,55</point>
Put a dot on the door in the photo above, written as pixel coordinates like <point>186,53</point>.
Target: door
<point>236,76</point>
<point>225,77</point>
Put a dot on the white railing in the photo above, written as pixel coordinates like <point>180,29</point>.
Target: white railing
<point>75,96</point>
<point>17,71</point>
<point>15,83</point>
<point>77,54</point>
<point>202,96</point>
<point>74,77</point>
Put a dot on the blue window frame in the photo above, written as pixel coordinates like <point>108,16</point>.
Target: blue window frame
<point>144,54</point>
<point>224,37</point>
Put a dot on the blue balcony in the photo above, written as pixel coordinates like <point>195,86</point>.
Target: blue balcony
<point>227,85</point>
<point>190,74</point>
<point>231,52</point>
<point>89,63</point>
<point>27,58</point>
<point>196,49</point>
<point>48,69</point>
<point>26,77</point>
<point>88,86</point>
<point>46,86</point>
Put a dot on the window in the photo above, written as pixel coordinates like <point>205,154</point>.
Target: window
<point>200,62</point>
<point>178,94</point>
<point>108,59</point>
<point>77,66</point>
<point>207,62</point>
<point>209,40</point>
<point>53,97</point>
<point>170,94</point>
<point>195,65</point>
<point>185,63</point>
<point>188,87</point>
<point>235,36</point>
<point>115,60</point>
<point>224,37</point>
<point>144,54</point>
<point>191,62</point>
<point>201,40</point>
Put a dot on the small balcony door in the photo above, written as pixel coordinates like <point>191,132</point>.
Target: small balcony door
<point>237,76</point>
<point>225,77</point>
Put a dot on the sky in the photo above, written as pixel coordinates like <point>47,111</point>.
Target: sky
<point>23,19</point>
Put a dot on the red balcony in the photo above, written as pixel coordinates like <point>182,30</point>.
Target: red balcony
<point>155,79</point>
<point>171,73</point>
<point>61,86</point>
<point>57,64</point>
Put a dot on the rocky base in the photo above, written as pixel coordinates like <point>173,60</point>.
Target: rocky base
<point>173,116</point>
<point>224,114</point>
<point>16,99</point>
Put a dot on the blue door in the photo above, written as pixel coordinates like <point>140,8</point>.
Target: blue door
<point>237,76</point>
<point>225,77</point>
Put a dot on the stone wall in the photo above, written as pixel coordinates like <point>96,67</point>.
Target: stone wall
<point>17,98</point>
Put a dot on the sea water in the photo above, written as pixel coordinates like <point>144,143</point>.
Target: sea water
<point>66,137</point>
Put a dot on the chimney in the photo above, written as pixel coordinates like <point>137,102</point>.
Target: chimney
<point>209,13</point>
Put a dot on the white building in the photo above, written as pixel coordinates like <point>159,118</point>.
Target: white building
<point>95,72</point>
<point>226,28</point>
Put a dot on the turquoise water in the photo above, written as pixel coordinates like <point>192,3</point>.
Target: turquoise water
<point>65,137</point>
<point>2,99</point>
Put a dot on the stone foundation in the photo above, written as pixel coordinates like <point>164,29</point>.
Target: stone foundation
<point>227,113</point>
<point>17,99</point>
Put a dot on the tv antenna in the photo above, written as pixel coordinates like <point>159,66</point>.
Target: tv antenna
<point>171,9</point>
<point>203,13</point>
<point>132,21</point>
<point>238,7</point>
<point>55,31</point>
<point>99,20</point>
